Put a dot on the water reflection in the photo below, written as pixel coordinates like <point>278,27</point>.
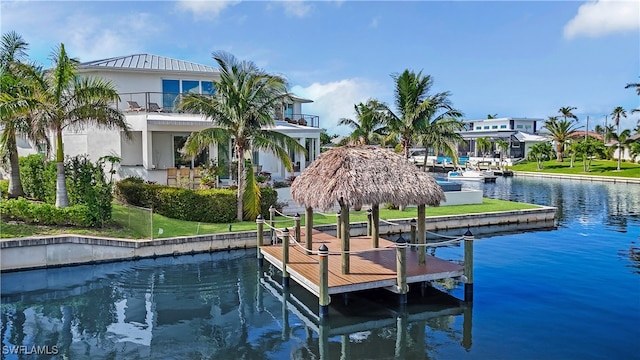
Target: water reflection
<point>208,306</point>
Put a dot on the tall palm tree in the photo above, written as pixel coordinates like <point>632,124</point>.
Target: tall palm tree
<point>442,135</point>
<point>634,85</point>
<point>242,109</point>
<point>616,114</point>
<point>16,101</point>
<point>71,101</point>
<point>369,123</point>
<point>492,116</point>
<point>567,112</point>
<point>417,111</point>
<point>560,130</point>
<point>503,146</point>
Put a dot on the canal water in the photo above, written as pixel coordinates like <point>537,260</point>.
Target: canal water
<point>568,293</point>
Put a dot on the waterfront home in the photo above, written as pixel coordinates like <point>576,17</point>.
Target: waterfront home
<point>148,86</point>
<point>520,133</point>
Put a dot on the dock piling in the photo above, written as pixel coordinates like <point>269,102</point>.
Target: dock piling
<point>339,224</point>
<point>412,223</point>
<point>401,269</point>
<point>422,235</point>
<point>375,225</point>
<point>272,221</point>
<point>296,231</point>
<point>285,257</point>
<point>468,266</point>
<point>369,211</point>
<point>260,237</point>
<point>308,228</point>
<point>324,299</point>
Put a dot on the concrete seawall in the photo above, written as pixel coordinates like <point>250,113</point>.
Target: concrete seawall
<point>593,178</point>
<point>63,250</point>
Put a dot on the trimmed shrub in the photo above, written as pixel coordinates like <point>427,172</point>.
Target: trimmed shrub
<point>268,198</point>
<point>86,184</point>
<point>38,178</point>
<point>45,214</point>
<point>4,188</point>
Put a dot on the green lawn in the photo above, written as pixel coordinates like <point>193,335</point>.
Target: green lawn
<point>598,167</point>
<point>135,223</point>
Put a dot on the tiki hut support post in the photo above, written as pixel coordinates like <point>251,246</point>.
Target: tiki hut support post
<point>401,269</point>
<point>412,223</point>
<point>323,297</point>
<point>296,231</point>
<point>344,209</point>
<point>285,258</point>
<point>375,225</point>
<point>422,235</point>
<point>260,238</point>
<point>468,266</point>
<point>369,222</point>
<point>308,227</point>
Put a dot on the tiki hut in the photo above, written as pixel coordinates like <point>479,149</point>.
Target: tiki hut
<point>354,176</point>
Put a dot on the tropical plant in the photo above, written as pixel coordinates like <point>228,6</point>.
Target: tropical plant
<point>442,136</point>
<point>484,145</point>
<point>560,130</point>
<point>492,116</point>
<point>634,85</point>
<point>242,109</point>
<point>17,99</point>
<point>428,118</point>
<point>616,114</point>
<point>567,112</point>
<point>572,150</point>
<point>503,146</point>
<point>368,126</point>
<point>540,153</point>
<point>588,149</point>
<point>634,150</point>
<point>71,101</point>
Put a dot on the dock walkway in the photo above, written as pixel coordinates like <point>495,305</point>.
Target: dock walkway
<point>370,268</point>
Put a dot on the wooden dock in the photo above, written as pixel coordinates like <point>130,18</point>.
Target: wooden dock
<point>370,268</point>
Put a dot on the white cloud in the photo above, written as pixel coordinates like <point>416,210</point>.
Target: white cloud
<point>604,17</point>
<point>335,100</point>
<point>205,9</point>
<point>374,22</point>
<point>296,8</point>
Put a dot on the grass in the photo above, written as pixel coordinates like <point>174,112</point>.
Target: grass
<point>598,167</point>
<point>135,223</point>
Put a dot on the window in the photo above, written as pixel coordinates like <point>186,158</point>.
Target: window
<point>503,126</point>
<point>170,91</point>
<point>486,127</point>
<point>183,160</point>
<point>478,127</point>
<point>288,111</point>
<point>191,86</point>
<point>494,126</point>
<point>518,126</point>
<point>207,88</point>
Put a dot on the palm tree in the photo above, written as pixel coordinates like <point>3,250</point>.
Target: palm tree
<point>369,122</point>
<point>418,112</point>
<point>16,101</point>
<point>540,152</point>
<point>566,112</point>
<point>634,150</point>
<point>560,131</point>
<point>492,116</point>
<point>242,107</point>
<point>616,114</point>
<point>442,135</point>
<point>634,85</point>
<point>70,101</point>
<point>484,145</point>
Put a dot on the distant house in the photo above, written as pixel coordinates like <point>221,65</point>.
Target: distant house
<point>520,133</point>
<point>148,86</point>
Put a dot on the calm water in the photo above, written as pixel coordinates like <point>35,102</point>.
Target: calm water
<point>570,293</point>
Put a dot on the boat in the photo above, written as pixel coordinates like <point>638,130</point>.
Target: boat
<point>472,174</point>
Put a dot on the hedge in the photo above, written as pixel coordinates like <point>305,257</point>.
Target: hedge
<point>45,214</point>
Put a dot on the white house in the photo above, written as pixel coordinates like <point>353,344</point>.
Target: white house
<point>520,133</point>
<point>148,86</point>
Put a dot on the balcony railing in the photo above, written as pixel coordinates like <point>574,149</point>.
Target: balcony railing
<point>149,102</point>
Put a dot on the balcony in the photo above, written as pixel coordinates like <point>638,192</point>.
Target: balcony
<point>150,102</point>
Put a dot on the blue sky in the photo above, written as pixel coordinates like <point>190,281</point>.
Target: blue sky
<point>511,58</point>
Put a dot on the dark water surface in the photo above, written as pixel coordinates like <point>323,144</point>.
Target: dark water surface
<point>570,293</point>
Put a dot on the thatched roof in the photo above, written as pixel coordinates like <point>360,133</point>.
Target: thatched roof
<point>364,175</point>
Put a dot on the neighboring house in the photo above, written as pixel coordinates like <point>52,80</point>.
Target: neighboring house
<point>148,86</point>
<point>520,133</point>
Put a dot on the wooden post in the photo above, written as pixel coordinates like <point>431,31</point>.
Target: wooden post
<point>323,339</point>
<point>339,224</point>
<point>375,231</point>
<point>324,299</point>
<point>401,269</point>
<point>308,228</point>
<point>422,240</point>
<point>345,349</point>
<point>272,221</point>
<point>369,225</point>
<point>260,238</point>
<point>296,231</point>
<point>468,265</point>
<point>467,319</point>
<point>412,223</point>
<point>285,257</point>
<point>285,316</point>
<point>345,239</point>
<point>401,334</point>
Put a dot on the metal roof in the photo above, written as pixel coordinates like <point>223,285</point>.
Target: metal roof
<point>148,62</point>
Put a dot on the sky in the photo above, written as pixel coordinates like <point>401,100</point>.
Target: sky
<point>510,58</point>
